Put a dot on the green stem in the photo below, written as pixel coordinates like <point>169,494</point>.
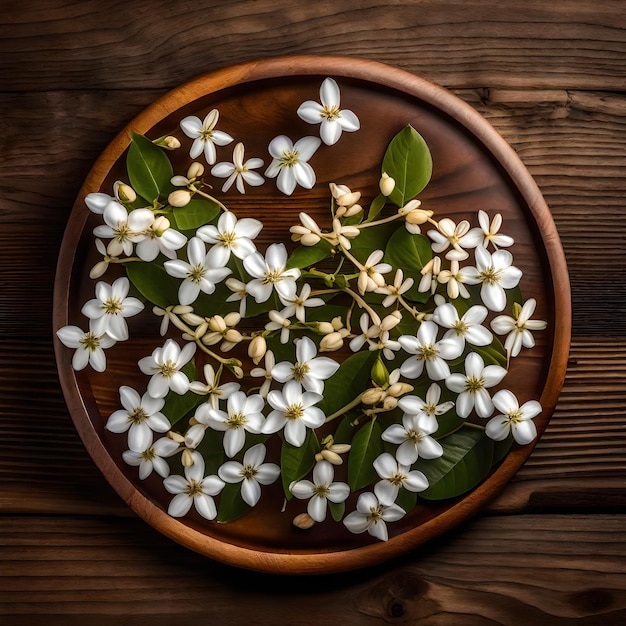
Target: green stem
<point>345,409</point>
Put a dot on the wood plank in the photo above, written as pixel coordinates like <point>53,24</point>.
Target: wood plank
<point>64,570</point>
<point>460,44</point>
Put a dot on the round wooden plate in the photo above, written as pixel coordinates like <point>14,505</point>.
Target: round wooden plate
<point>474,168</point>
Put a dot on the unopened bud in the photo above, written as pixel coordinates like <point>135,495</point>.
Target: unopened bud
<point>179,181</point>
<point>337,322</point>
<point>98,269</point>
<point>341,448</point>
<point>355,209</point>
<point>418,216</point>
<point>237,371</point>
<point>232,335</point>
<point>303,521</point>
<point>124,192</point>
<point>161,225</point>
<point>179,198</point>
<point>193,319</point>
<point>390,403</point>
<point>379,373</point>
<point>348,199</point>
<point>168,142</point>
<point>186,458</point>
<point>372,396</point>
<point>309,239</point>
<point>232,319</point>
<point>391,321</point>
<point>217,324</point>
<point>325,328</point>
<point>177,437</point>
<point>399,389</point>
<point>331,342</point>
<point>332,457</point>
<point>195,170</point>
<point>257,349</point>
<point>386,184</point>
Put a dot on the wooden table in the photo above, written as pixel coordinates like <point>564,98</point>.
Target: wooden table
<point>551,79</point>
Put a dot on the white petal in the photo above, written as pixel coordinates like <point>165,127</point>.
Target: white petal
<point>205,505</point>
<point>317,508</point>
<point>230,472</point>
<point>498,428</point>
<point>310,112</point>
<point>306,147</point>
<point>179,505</point>
<point>349,121</point>
<point>191,126</point>
<point>302,489</point>
<point>250,492</point>
<point>524,432</point>
<point>330,131</point>
<point>356,522</point>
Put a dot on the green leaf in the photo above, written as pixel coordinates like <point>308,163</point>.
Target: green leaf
<point>295,462</point>
<point>372,238</point>
<point>345,431</point>
<point>408,161</point>
<point>366,446</point>
<point>231,506</point>
<point>409,253</point>
<point>337,509</point>
<point>212,449</point>
<point>149,169</point>
<point>154,283</point>
<point>305,256</point>
<point>347,382</point>
<point>198,212</point>
<point>466,461</point>
<point>493,354</point>
<point>406,499</point>
<point>376,207</point>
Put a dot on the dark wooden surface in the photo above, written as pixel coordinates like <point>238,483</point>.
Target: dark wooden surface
<point>550,77</point>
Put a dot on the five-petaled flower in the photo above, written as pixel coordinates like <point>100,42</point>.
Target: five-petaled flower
<point>413,439</point>
<point>518,327</point>
<point>270,273</point>
<point>239,171</point>
<point>290,162</point>
<point>371,515</point>
<point>152,457</point>
<point>89,347</point>
<point>164,366</point>
<point>395,475</point>
<point>205,136</point>
<point>513,418</point>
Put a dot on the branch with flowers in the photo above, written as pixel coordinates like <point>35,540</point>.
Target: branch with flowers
<point>369,350</point>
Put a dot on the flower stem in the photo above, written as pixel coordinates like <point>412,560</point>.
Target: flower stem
<point>345,409</point>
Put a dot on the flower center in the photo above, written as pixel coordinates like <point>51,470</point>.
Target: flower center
<point>206,134</point>
<point>148,455</point>
<point>289,158</point>
<point>167,369</point>
<point>112,306</point>
<point>90,341</point>
<point>193,488</point>
<point>430,409</point>
<point>515,417</point>
<point>397,479</point>
<point>300,370</point>
<point>238,420</point>
<point>196,273</point>
<point>460,328</point>
<point>321,490</point>
<point>429,352</point>
<point>249,472</point>
<point>294,411</point>
<point>414,436</point>
<point>375,515</point>
<point>330,112</point>
<point>137,415</point>
<point>491,276</point>
<point>474,385</point>
<point>272,277</point>
<point>228,240</point>
<point>122,232</point>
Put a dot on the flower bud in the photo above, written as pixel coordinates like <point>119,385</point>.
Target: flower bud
<point>193,319</point>
<point>355,209</point>
<point>237,371</point>
<point>195,170</point>
<point>168,142</point>
<point>232,335</point>
<point>179,198</point>
<point>217,324</point>
<point>399,389</point>
<point>303,521</point>
<point>348,199</point>
<point>177,437</point>
<point>186,458</point>
<point>340,448</point>
<point>391,321</point>
<point>232,319</point>
<point>325,328</point>
<point>372,396</point>
<point>331,342</point>
<point>418,216</point>
<point>98,269</point>
<point>379,373</point>
<point>161,225</point>
<point>337,322</point>
<point>257,349</point>
<point>390,403</point>
<point>386,184</point>
<point>332,457</point>
<point>310,239</point>
<point>179,181</point>
<point>124,192</point>
<point>338,190</point>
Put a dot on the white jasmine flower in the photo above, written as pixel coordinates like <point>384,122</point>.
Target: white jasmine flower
<point>265,372</point>
<point>513,418</point>
<point>204,135</point>
<point>195,488</point>
<point>212,389</point>
<point>495,273</point>
<point>279,322</point>
<point>89,347</point>
<point>252,473</point>
<point>427,410</point>
<point>368,333</point>
<point>141,416</point>
<point>110,308</point>
<point>240,293</point>
<point>293,411</point>
<point>123,228</point>
<point>243,414</point>
<point>430,275</point>
<point>371,274</point>
<point>371,515</point>
<point>458,236</point>
<point>308,233</point>
<point>489,232</point>
<point>518,329</point>
<point>387,345</point>
<point>270,273</point>
<point>160,238</point>
<point>152,457</point>
<point>201,273</point>
<point>320,491</point>
<point>343,233</point>
<point>428,352</point>
<point>467,328</point>
<point>472,386</point>
<point>454,278</point>
<point>231,235</point>
<point>395,291</point>
<point>333,120</point>
<point>239,172</point>
<point>290,162</point>
<point>395,475</point>
<point>309,369</point>
<point>296,305</point>
<point>165,364</point>
<point>413,440</point>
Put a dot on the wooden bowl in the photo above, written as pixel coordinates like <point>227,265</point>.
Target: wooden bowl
<point>474,168</point>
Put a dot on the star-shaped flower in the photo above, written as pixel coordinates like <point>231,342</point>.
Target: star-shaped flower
<point>427,410</point>
<point>395,475</point>
<point>123,228</point>
<point>413,440</point>
<point>165,364</point>
<point>333,120</point>
<point>513,418</point>
<point>296,305</point>
<point>252,473</point>
<point>270,273</point>
<point>239,172</point>
<point>320,491</point>
<point>518,328</point>
<point>290,162</point>
<point>89,347</point>
<point>204,135</point>
<point>466,328</point>
<point>152,457</point>
<point>371,515</point>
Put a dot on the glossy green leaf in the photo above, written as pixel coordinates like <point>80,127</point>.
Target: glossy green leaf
<point>337,510</point>
<point>295,462</point>
<point>366,446</point>
<point>231,505</point>
<point>373,238</point>
<point>493,354</point>
<point>345,430</point>
<point>408,161</point>
<point>154,283</point>
<point>466,461</point>
<point>212,450</point>
<point>347,382</point>
<point>306,256</point>
<point>198,212</point>
<point>409,253</point>
<point>376,207</point>
<point>406,499</point>
<point>149,169</point>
